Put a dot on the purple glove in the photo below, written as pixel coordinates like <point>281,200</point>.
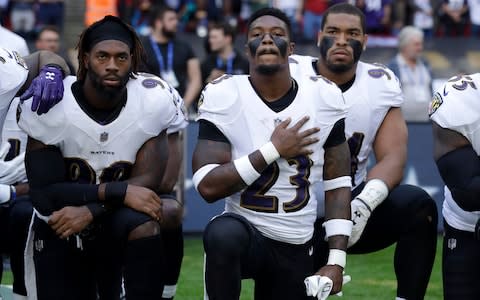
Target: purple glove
<point>46,89</point>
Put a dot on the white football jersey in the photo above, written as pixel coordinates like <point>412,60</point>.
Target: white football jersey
<point>13,74</point>
<point>181,121</point>
<point>456,106</point>
<point>97,153</point>
<point>375,90</point>
<point>280,203</point>
<point>13,135</point>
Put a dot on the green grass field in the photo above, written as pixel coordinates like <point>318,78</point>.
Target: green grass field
<point>372,276</point>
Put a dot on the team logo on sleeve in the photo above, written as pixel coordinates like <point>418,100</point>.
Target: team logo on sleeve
<point>150,83</point>
<point>435,103</point>
<point>20,60</point>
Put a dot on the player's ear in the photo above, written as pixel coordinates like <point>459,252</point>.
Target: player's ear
<point>85,60</point>
<point>365,40</point>
<point>291,47</point>
<point>247,50</point>
<point>319,37</point>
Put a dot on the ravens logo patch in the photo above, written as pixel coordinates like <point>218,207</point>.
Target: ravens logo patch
<point>435,103</point>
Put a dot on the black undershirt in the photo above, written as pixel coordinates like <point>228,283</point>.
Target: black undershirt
<point>344,86</point>
<point>100,116</point>
<point>208,130</point>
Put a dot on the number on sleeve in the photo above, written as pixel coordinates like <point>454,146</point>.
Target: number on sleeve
<point>462,82</point>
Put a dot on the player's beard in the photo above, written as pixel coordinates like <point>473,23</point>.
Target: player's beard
<point>109,92</point>
<point>327,42</point>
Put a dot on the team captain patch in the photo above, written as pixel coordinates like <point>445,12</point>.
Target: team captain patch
<point>435,104</point>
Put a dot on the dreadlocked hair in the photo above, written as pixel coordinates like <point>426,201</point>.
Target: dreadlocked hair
<point>137,51</point>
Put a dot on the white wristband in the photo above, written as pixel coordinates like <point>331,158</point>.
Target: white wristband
<point>201,173</point>
<point>337,227</point>
<point>337,257</point>
<point>246,170</point>
<point>374,192</point>
<point>5,193</point>
<point>335,183</point>
<point>269,152</point>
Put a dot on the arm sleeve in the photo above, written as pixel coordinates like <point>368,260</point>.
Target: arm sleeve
<point>48,189</point>
<point>208,131</point>
<point>337,135</point>
<point>460,170</point>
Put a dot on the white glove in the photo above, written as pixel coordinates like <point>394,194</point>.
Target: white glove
<point>321,286</point>
<point>13,171</point>
<point>374,192</point>
<point>360,215</point>
<point>5,193</point>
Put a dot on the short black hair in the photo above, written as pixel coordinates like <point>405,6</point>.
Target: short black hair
<point>158,11</point>
<point>84,46</point>
<point>274,12</point>
<point>52,28</point>
<point>227,29</point>
<point>345,8</point>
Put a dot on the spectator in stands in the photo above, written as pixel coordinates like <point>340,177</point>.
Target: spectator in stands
<point>293,9</point>
<point>224,58</point>
<point>3,11</point>
<point>414,74</point>
<point>453,17</point>
<point>50,12</point>
<point>13,41</point>
<point>474,10</point>
<point>22,17</point>
<point>48,38</point>
<point>140,17</point>
<point>170,58</point>
<point>423,16</point>
<point>402,13</point>
<point>377,15</point>
<point>312,18</point>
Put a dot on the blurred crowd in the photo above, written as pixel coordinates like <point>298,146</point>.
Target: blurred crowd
<point>384,17</point>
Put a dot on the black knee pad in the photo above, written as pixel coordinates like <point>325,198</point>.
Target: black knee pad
<point>414,201</point>
<point>227,233</point>
<point>123,221</point>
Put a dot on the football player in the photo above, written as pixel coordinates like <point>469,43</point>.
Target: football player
<point>383,211</point>
<point>42,73</point>
<point>262,143</point>
<point>105,148</point>
<point>454,112</point>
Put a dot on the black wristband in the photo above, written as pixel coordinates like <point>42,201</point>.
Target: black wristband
<point>96,209</point>
<point>115,193</point>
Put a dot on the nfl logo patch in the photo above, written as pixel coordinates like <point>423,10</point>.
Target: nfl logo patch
<point>103,137</point>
